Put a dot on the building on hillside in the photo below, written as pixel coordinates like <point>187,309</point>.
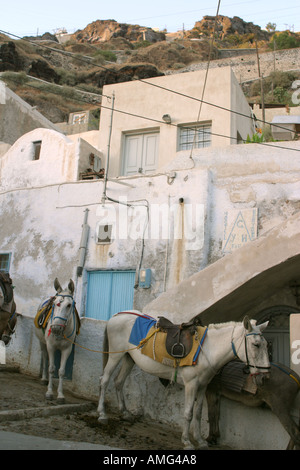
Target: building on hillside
<point>18,117</point>
<point>286,127</point>
<point>154,119</point>
<point>79,122</point>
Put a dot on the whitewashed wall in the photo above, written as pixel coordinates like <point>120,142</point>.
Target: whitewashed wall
<point>41,226</point>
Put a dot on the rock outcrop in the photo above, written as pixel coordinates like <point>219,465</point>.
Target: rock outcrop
<point>105,30</point>
<point>226,26</point>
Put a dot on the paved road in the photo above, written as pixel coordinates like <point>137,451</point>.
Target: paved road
<point>15,441</point>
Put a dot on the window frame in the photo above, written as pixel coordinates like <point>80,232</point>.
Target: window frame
<point>190,128</point>
<point>7,263</point>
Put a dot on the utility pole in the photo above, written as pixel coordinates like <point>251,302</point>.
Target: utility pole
<point>108,149</point>
<point>261,86</point>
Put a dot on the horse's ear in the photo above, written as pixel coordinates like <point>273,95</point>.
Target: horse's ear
<point>71,286</point>
<point>57,286</point>
<point>263,326</point>
<point>247,323</point>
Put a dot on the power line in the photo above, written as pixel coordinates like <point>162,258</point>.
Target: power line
<point>158,121</point>
<point>268,144</point>
<point>238,113</point>
<point>157,86</point>
<point>206,73</point>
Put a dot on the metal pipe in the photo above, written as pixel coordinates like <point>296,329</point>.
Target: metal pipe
<point>83,243</point>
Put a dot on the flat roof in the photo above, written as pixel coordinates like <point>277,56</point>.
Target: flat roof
<point>286,119</point>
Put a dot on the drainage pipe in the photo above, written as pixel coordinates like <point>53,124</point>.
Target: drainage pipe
<point>83,244</point>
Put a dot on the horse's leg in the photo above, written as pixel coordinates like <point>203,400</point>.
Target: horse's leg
<point>289,425</point>
<point>44,352</point>
<point>51,370</point>
<point>190,395</point>
<point>65,353</point>
<point>127,365</point>
<point>202,444</point>
<point>112,363</point>
<point>213,399</point>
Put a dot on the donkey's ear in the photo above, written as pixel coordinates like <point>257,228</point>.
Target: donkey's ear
<point>247,324</point>
<point>57,286</point>
<point>71,286</point>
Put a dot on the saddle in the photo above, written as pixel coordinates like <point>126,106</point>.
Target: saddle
<point>42,316</point>
<point>179,339</point>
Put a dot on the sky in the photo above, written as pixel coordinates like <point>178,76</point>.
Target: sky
<point>32,17</point>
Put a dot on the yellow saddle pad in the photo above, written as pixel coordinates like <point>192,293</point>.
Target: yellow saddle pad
<point>42,317</point>
<point>154,347</point>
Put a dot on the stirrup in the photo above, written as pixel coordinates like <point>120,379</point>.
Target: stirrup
<point>178,350</point>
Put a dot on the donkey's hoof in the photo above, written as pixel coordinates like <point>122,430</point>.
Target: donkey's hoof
<point>61,400</point>
<point>49,396</point>
<point>44,382</point>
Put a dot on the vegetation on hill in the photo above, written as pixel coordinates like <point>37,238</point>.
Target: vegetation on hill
<point>108,52</point>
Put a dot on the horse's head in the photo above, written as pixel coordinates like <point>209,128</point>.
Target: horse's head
<point>6,289</point>
<point>10,328</point>
<point>254,352</point>
<point>63,307</point>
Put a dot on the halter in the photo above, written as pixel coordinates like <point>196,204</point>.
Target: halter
<point>246,350</point>
<point>62,318</point>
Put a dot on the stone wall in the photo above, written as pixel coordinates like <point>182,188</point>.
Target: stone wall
<point>245,65</point>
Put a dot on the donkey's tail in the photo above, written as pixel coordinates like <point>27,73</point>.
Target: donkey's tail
<point>105,349</point>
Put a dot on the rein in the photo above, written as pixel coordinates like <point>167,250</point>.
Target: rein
<point>246,350</point>
<point>62,318</point>
<point>287,373</point>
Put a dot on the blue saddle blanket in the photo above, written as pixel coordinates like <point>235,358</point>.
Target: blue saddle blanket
<point>140,329</point>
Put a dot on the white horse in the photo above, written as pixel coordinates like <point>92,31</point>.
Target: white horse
<point>60,334</point>
<point>223,343</point>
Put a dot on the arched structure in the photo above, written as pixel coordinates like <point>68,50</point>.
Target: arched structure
<point>237,283</point>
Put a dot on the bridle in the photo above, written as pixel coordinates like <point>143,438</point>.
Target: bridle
<point>6,336</point>
<point>248,365</point>
<point>62,326</point>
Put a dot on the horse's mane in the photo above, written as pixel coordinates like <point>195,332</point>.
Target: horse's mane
<point>217,326</point>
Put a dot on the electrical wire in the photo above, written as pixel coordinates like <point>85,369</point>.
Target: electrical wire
<point>238,113</point>
<point>206,75</point>
<point>192,128</point>
<point>163,88</point>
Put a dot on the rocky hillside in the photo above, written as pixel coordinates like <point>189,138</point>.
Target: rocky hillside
<point>105,30</point>
<point>108,52</point>
<point>226,26</point>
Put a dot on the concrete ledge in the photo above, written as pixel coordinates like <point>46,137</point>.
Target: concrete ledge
<point>17,415</point>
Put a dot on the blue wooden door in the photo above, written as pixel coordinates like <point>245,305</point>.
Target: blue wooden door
<point>109,292</point>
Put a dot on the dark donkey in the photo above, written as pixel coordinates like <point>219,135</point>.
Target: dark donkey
<point>8,315</point>
<point>278,392</point>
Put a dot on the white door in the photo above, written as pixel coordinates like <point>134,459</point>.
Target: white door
<point>141,153</point>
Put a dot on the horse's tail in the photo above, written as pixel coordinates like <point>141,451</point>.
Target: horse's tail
<point>105,348</point>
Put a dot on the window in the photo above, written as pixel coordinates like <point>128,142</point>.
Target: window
<point>37,149</point>
<point>194,137</point>
<point>79,118</point>
<point>4,262</point>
